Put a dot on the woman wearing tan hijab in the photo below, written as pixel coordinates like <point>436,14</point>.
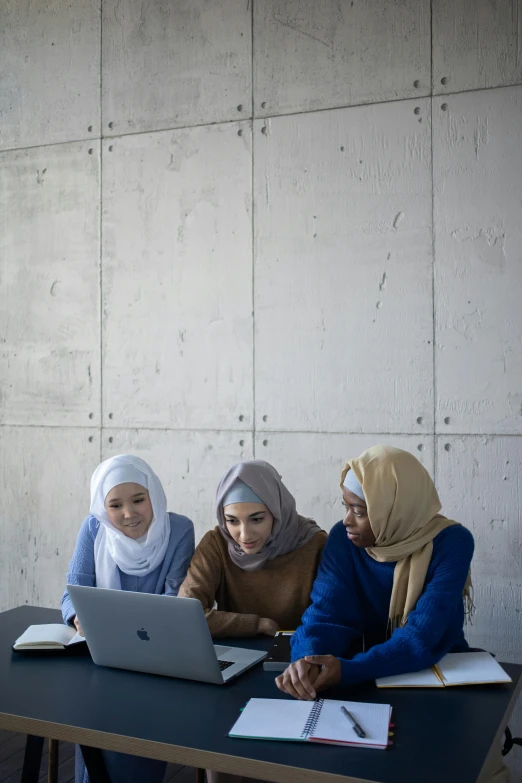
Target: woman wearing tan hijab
<point>394,581</point>
<point>254,572</point>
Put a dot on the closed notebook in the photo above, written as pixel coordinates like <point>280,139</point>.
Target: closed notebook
<point>48,637</point>
<point>474,668</point>
<point>278,657</point>
<point>314,721</point>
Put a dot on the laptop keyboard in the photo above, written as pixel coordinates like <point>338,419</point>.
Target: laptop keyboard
<point>225,664</point>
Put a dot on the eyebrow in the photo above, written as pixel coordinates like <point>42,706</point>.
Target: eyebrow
<point>133,497</point>
<point>255,514</point>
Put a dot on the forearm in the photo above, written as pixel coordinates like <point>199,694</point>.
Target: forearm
<point>231,623</point>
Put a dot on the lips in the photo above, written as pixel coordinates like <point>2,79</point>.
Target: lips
<point>133,524</point>
<point>250,545</point>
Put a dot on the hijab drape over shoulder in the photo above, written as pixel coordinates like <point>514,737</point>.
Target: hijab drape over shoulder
<point>290,531</point>
<point>403,509</point>
<point>112,548</point>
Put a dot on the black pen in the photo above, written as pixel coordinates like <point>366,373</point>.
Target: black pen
<point>355,726</point>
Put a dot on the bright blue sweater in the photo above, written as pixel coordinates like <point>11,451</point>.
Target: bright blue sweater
<point>351,599</point>
<point>166,578</point>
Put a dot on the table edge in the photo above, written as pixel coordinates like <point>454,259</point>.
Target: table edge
<point>177,754</point>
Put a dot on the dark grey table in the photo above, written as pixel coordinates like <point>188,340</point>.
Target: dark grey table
<point>448,735</point>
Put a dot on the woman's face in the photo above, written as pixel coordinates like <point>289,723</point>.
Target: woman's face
<point>356,520</point>
<point>249,524</point>
<point>129,509</point>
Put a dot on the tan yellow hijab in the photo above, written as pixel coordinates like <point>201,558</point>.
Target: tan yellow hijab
<point>403,508</point>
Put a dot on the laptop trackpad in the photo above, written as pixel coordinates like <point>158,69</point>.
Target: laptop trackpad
<point>221,650</point>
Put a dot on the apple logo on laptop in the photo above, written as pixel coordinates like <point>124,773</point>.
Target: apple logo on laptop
<point>144,636</point>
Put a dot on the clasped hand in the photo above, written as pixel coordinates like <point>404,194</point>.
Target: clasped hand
<point>307,676</point>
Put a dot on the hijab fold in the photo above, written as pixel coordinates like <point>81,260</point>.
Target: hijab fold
<point>112,548</point>
<point>290,531</point>
<point>403,508</point>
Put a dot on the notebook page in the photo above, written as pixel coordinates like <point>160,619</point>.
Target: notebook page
<point>272,719</point>
<point>471,668</point>
<point>46,634</point>
<point>374,719</point>
<point>426,678</point>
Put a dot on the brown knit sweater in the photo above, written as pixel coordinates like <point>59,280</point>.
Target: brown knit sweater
<point>280,590</point>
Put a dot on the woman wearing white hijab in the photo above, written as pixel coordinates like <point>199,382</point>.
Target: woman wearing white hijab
<point>129,541</point>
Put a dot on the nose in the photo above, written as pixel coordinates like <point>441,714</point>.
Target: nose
<point>244,533</point>
<point>347,517</point>
<point>127,513</point>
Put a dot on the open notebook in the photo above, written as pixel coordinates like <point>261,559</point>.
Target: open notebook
<point>48,637</point>
<point>314,721</point>
<point>474,668</point>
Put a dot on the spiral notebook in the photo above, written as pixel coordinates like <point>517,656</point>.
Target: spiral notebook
<point>314,721</point>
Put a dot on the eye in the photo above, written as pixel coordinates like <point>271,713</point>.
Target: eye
<point>258,519</point>
<point>358,513</point>
<point>115,506</point>
<point>231,521</point>
<point>139,500</point>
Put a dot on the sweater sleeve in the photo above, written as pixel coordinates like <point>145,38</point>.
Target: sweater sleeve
<point>202,582</point>
<point>81,568</point>
<point>181,560</point>
<point>334,619</point>
<point>424,640</point>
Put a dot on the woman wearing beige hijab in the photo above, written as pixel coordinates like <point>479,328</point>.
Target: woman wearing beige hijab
<point>254,572</point>
<point>393,588</point>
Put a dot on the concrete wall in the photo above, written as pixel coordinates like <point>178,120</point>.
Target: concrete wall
<point>286,229</point>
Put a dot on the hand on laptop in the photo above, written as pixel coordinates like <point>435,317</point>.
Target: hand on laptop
<point>303,678</point>
<point>77,625</point>
<point>267,626</point>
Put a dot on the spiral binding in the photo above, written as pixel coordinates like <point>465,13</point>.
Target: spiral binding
<point>313,718</point>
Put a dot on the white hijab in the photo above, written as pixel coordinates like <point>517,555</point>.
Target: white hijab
<point>113,549</point>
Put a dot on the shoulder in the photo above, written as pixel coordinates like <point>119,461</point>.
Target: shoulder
<point>337,536</point>
<point>180,524</point>
<point>212,541</point>
<point>316,543</point>
<point>455,538</point>
<point>89,529</point>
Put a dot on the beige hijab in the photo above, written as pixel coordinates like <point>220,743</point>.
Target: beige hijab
<point>403,508</point>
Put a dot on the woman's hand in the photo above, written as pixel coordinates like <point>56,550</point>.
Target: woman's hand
<point>304,678</point>
<point>267,626</point>
<point>77,625</point>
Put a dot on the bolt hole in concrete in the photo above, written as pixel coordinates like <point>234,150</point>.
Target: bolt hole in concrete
<point>421,447</point>
<point>416,110</point>
<point>265,443</point>
<point>240,107</point>
<point>420,420</point>
<point>91,151</point>
<point>91,439</point>
<point>444,107</point>
<point>444,80</point>
<point>263,105</point>
<point>110,148</point>
<point>447,420</point>
<point>241,417</point>
<point>91,415</point>
<point>110,415</point>
<point>265,418</point>
<point>111,125</point>
<point>90,128</point>
<point>416,83</point>
<point>447,446</point>
<point>264,130</point>
<point>240,132</point>
<point>110,440</point>
<point>241,442</point>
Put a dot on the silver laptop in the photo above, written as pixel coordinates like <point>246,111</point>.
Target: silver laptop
<point>157,634</point>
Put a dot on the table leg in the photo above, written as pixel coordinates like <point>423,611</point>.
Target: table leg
<point>95,764</point>
<point>54,756</point>
<point>200,775</point>
<point>32,759</point>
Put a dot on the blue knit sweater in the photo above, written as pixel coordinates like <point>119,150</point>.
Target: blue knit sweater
<point>351,599</point>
